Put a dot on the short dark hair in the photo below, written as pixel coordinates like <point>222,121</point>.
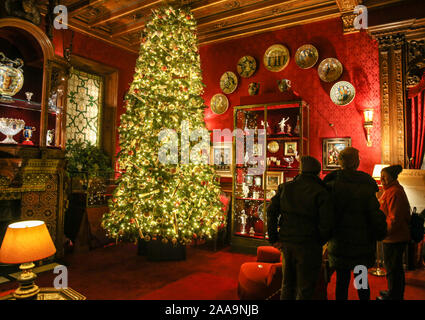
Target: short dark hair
<point>393,171</point>
<point>310,165</point>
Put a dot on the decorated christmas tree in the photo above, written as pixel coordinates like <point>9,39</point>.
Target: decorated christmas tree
<point>168,191</point>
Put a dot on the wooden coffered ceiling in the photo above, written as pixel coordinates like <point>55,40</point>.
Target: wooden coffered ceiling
<point>120,22</point>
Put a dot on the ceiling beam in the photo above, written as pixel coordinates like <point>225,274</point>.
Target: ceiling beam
<point>137,7</point>
<point>278,6</point>
<point>123,12</point>
<point>80,6</point>
<point>249,9</point>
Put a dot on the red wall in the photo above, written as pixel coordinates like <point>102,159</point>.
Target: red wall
<point>358,54</point>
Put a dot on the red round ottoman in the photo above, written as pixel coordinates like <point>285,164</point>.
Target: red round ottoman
<point>260,280</point>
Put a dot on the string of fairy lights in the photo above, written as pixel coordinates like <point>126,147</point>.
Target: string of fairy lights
<point>172,202</point>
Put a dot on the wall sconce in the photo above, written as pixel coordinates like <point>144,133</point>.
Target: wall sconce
<point>368,124</point>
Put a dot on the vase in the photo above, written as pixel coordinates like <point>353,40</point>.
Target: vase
<point>28,130</point>
<point>11,77</point>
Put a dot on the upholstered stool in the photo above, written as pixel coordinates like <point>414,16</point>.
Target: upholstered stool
<point>260,280</point>
<point>268,254</point>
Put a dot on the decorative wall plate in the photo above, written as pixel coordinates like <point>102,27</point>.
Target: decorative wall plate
<point>276,58</point>
<point>228,82</point>
<point>306,56</point>
<point>330,69</point>
<point>273,146</point>
<point>342,93</point>
<point>246,66</point>
<point>219,103</point>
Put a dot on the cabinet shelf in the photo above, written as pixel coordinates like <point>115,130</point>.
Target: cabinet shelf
<point>247,235</point>
<point>251,199</point>
<point>25,105</point>
<point>275,137</point>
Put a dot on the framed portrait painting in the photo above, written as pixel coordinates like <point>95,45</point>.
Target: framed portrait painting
<point>290,148</point>
<point>274,179</point>
<point>221,158</point>
<point>331,149</point>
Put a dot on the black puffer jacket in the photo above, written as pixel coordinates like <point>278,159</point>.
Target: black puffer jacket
<point>303,210</point>
<point>359,222</point>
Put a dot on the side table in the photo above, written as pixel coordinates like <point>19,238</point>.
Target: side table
<point>52,294</point>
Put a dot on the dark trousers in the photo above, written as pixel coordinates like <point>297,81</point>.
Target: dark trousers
<point>393,262</point>
<point>343,277</point>
<point>301,270</point>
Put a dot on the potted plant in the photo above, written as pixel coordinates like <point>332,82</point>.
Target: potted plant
<point>86,164</point>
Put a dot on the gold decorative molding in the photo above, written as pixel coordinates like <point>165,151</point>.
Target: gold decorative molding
<point>385,107</point>
<point>393,52</point>
<point>415,62</point>
<point>346,7</point>
<point>348,23</point>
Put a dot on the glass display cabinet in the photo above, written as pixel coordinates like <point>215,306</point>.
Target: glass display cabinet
<point>32,103</point>
<point>268,141</point>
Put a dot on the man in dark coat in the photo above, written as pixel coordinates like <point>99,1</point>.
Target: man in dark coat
<point>359,222</point>
<point>303,210</point>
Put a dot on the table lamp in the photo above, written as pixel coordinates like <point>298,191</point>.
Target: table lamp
<point>377,172</point>
<point>25,242</point>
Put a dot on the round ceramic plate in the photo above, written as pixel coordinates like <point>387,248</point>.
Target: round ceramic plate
<point>219,103</point>
<point>228,82</point>
<point>330,69</point>
<point>273,146</point>
<point>246,66</point>
<point>276,58</point>
<point>342,93</point>
<point>306,56</point>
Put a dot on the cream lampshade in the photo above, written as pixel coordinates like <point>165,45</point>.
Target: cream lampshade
<point>25,242</point>
<point>377,170</point>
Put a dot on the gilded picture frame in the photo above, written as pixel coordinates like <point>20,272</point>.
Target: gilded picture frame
<point>331,149</point>
<point>221,158</point>
<point>274,179</point>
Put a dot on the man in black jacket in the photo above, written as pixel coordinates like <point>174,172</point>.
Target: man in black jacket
<point>359,222</point>
<point>303,211</point>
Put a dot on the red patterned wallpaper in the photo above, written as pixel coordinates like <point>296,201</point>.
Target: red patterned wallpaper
<point>358,54</point>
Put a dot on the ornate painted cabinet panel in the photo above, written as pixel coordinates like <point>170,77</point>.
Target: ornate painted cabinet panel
<point>38,185</point>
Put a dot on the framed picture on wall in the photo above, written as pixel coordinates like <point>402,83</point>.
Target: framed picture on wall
<point>221,158</point>
<point>274,179</point>
<point>331,149</point>
<point>290,148</point>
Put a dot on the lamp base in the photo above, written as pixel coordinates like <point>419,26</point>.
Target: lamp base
<point>379,272</point>
<point>27,288</point>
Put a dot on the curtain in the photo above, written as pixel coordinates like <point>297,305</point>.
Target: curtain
<point>416,104</point>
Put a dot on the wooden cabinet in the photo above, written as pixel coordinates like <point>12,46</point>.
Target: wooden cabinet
<point>269,139</point>
<point>32,171</point>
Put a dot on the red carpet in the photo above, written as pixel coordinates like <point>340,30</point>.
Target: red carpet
<point>118,273</point>
<point>199,286</point>
<point>414,290</point>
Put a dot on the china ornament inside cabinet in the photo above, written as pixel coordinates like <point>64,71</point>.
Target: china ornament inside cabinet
<point>11,77</point>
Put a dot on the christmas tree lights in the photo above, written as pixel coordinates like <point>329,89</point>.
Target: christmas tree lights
<point>175,201</point>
